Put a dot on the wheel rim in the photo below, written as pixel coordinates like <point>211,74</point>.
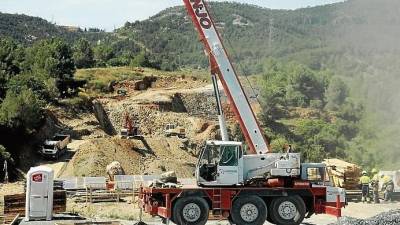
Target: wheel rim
<point>249,212</point>
<point>191,212</point>
<point>287,210</point>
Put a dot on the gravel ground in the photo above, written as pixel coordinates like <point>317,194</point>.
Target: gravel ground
<point>387,218</point>
<point>378,214</point>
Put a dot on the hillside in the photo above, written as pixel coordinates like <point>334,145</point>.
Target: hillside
<point>354,42</point>
<point>28,29</point>
<point>258,32</point>
<point>356,39</point>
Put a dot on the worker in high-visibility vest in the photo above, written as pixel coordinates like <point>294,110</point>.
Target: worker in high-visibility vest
<point>364,182</point>
<point>387,187</point>
<point>375,185</point>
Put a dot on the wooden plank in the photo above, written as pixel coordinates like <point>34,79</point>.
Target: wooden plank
<point>11,218</point>
<point>14,221</point>
<point>16,203</point>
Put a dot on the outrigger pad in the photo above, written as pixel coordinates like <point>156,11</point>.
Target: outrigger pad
<point>140,223</point>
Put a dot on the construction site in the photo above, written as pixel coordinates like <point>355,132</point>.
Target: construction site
<point>92,188</point>
<point>185,148</point>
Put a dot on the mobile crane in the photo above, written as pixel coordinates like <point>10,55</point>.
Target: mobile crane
<point>246,189</point>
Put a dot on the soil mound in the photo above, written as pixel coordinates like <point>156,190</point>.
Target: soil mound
<point>136,157</point>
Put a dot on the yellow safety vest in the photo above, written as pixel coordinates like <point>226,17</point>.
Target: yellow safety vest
<point>386,179</point>
<point>365,180</point>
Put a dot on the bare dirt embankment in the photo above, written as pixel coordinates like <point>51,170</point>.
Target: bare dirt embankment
<point>155,157</point>
<point>181,99</point>
<point>184,101</point>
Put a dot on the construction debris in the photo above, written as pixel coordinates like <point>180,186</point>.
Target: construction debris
<point>387,218</point>
<point>169,177</point>
<point>345,175</point>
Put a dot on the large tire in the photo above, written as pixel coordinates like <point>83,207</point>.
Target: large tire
<point>289,210</point>
<point>269,220</point>
<point>230,220</point>
<point>190,211</point>
<point>249,210</point>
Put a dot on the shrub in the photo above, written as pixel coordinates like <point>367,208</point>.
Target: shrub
<point>22,110</point>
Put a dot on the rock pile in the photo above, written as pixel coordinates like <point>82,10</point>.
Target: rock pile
<point>199,104</point>
<point>387,218</point>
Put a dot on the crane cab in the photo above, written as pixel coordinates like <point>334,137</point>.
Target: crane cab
<point>220,164</point>
<point>223,163</point>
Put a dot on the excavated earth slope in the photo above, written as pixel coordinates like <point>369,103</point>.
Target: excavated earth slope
<point>183,101</point>
<point>158,156</point>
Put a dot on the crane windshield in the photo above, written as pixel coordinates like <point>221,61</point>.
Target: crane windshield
<point>214,156</point>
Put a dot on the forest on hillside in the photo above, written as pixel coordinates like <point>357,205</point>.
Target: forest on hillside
<point>328,75</point>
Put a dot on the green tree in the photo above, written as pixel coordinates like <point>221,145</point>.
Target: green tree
<point>141,60</point>
<point>351,110</point>
<point>303,85</point>
<point>288,85</point>
<point>31,82</point>
<point>51,59</point>
<point>83,54</point>
<point>273,89</point>
<point>102,54</point>
<point>278,142</point>
<point>10,59</point>
<point>319,132</point>
<point>314,153</point>
<point>336,94</point>
<point>23,110</point>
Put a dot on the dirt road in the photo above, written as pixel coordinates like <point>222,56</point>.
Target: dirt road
<point>60,165</point>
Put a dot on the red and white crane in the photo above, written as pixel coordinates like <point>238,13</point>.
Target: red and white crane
<point>243,188</point>
<point>260,161</point>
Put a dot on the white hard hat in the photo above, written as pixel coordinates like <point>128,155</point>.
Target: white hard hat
<point>364,172</point>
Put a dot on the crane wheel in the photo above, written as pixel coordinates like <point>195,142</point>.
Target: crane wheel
<point>269,220</point>
<point>249,210</point>
<point>190,210</point>
<point>288,210</point>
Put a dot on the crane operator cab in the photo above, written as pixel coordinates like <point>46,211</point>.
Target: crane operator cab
<point>220,163</point>
<point>223,163</point>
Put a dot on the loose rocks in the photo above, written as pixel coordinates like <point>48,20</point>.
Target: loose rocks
<point>387,218</point>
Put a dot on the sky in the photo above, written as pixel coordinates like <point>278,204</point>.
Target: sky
<point>110,14</point>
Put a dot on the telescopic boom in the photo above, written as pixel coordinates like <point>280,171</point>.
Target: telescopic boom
<point>222,66</point>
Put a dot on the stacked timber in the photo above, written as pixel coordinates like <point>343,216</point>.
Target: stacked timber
<point>15,204</point>
<point>344,174</point>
